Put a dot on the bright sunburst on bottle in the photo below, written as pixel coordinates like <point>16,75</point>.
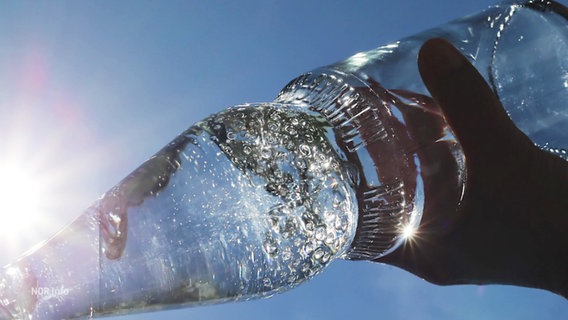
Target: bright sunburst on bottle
<point>409,232</point>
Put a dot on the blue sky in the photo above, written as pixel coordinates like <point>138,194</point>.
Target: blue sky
<point>89,90</point>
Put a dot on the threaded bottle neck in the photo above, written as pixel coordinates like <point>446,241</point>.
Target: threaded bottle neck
<point>363,132</point>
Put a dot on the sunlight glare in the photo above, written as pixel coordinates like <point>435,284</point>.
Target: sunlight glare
<point>409,231</point>
<point>20,201</point>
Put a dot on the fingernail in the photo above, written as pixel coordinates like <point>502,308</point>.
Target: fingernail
<point>448,53</point>
<point>439,59</point>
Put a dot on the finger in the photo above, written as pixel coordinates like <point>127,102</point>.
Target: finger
<point>471,108</point>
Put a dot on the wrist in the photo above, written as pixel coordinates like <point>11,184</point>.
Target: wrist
<point>542,221</point>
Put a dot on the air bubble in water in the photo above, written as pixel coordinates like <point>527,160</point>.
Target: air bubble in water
<point>320,233</point>
<point>270,247</point>
<point>305,150</point>
<point>318,253</point>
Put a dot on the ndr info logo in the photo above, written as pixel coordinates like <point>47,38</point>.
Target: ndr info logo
<point>47,292</point>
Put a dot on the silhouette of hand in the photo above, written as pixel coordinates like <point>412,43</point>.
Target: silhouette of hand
<point>512,224</point>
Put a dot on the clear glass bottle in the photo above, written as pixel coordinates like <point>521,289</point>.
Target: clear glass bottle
<point>258,199</point>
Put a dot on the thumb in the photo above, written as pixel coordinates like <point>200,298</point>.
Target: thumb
<point>471,108</point>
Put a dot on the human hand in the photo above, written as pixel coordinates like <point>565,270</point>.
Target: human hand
<point>511,226</point>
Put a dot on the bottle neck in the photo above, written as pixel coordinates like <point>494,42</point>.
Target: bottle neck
<point>365,136</point>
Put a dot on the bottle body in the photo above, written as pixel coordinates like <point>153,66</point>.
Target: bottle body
<point>519,47</point>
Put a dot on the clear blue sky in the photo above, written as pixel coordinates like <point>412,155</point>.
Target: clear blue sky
<point>90,89</point>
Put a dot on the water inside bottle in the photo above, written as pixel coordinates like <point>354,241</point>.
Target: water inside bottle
<point>249,202</point>
<point>246,203</point>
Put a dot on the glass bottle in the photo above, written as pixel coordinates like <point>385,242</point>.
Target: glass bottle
<point>257,199</point>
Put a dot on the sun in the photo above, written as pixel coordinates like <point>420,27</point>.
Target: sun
<point>21,201</point>
<point>37,194</point>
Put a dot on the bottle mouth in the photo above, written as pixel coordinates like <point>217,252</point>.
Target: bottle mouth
<point>388,203</point>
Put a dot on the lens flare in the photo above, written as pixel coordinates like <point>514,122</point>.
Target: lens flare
<point>409,232</point>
